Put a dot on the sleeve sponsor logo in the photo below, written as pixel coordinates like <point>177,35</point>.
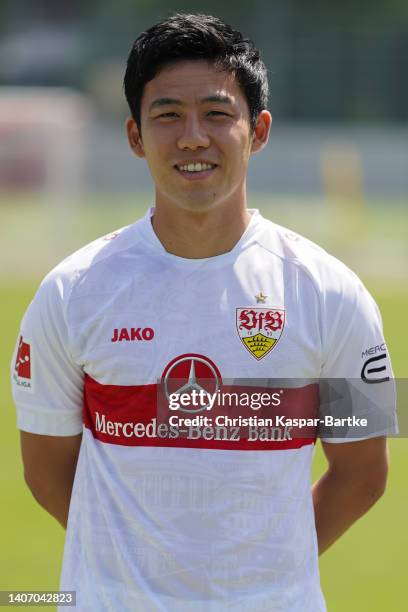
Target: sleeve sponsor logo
<point>23,366</point>
<point>372,369</point>
<point>380,348</point>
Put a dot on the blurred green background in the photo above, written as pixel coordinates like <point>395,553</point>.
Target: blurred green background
<point>366,569</point>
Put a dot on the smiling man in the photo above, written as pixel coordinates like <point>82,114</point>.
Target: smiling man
<point>195,127</point>
<point>208,507</point>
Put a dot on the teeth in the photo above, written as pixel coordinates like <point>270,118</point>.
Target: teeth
<point>197,167</point>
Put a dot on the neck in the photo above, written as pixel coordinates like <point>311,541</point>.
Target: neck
<point>200,235</point>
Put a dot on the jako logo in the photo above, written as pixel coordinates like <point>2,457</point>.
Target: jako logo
<point>132,334</point>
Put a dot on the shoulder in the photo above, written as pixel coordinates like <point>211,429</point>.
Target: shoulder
<point>300,256</point>
<point>104,253</point>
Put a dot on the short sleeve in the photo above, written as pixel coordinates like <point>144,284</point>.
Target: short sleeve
<point>357,382</point>
<point>47,384</point>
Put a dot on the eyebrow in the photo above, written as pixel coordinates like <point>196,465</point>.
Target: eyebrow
<point>218,98</point>
<point>174,101</point>
<point>164,102</point>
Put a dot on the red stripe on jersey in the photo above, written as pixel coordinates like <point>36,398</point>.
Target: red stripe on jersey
<point>129,416</point>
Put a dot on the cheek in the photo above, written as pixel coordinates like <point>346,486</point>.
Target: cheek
<point>241,140</point>
<point>240,151</point>
<point>157,142</point>
<point>157,157</point>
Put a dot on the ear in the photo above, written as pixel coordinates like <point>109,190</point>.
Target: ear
<point>261,132</point>
<point>134,138</point>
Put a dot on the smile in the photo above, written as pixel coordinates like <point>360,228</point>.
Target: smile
<point>195,169</point>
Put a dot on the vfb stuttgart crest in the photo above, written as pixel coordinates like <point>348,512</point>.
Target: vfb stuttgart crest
<point>260,329</point>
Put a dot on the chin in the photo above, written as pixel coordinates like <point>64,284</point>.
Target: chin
<point>199,206</point>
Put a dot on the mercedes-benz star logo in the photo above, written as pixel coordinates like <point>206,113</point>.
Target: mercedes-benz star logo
<point>186,367</point>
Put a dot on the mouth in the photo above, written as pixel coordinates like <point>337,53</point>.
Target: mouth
<point>196,170</point>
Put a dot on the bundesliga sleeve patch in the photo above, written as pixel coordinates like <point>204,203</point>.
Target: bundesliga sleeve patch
<point>23,366</point>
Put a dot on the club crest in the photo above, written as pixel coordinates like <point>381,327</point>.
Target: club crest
<point>260,329</point>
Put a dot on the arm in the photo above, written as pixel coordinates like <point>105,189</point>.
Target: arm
<point>49,470</point>
<point>354,481</point>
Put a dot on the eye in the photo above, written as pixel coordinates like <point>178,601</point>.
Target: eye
<point>215,113</point>
<point>169,115</point>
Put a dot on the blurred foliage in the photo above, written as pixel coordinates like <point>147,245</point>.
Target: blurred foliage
<point>341,60</point>
<point>49,10</point>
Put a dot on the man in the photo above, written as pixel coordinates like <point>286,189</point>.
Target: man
<point>167,513</point>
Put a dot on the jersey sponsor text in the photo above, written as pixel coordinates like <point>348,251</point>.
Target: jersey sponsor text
<point>132,334</point>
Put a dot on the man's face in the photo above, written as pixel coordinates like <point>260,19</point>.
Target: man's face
<point>195,135</point>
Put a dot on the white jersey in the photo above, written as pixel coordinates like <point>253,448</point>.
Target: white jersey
<point>188,518</point>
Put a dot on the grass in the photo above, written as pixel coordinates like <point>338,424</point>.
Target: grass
<point>31,542</point>
<point>364,571</point>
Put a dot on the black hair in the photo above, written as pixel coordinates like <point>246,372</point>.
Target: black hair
<point>196,37</point>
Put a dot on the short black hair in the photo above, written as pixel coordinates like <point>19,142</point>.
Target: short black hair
<point>196,37</point>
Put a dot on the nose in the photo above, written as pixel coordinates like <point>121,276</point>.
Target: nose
<point>194,135</point>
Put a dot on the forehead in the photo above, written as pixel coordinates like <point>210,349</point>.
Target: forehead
<point>191,81</point>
